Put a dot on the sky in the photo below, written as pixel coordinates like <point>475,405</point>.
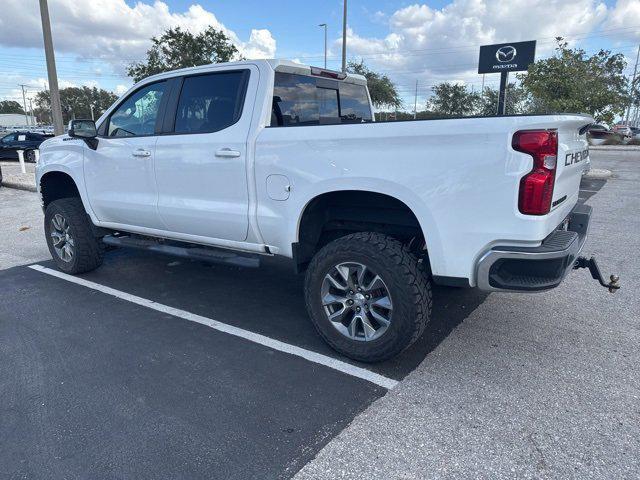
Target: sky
<point>428,42</point>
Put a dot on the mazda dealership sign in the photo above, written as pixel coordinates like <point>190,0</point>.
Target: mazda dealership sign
<point>506,57</point>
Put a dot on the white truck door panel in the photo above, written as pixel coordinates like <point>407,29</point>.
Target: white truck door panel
<point>120,181</point>
<point>201,167</point>
<point>119,173</point>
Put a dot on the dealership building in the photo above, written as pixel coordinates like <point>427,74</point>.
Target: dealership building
<point>16,119</point>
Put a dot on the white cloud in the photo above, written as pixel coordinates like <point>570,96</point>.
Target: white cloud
<point>112,30</point>
<point>436,45</point>
<point>624,19</point>
<point>120,89</point>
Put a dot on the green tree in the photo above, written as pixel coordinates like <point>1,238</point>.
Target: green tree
<point>516,101</point>
<point>382,90</point>
<point>572,81</point>
<point>76,102</point>
<point>452,99</point>
<point>177,48</point>
<point>10,106</point>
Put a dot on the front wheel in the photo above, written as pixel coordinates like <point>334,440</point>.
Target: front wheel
<point>70,238</point>
<point>30,156</point>
<point>368,296</point>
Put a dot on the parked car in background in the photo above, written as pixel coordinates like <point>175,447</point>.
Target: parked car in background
<point>623,130</point>
<point>635,133</point>
<point>598,134</point>
<point>27,141</point>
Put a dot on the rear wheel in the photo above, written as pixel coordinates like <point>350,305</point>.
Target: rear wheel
<point>368,296</point>
<point>70,238</point>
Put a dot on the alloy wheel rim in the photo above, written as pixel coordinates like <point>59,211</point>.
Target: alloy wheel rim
<point>62,241</point>
<point>356,301</point>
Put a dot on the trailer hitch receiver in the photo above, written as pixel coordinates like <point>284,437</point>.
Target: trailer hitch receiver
<point>592,265</point>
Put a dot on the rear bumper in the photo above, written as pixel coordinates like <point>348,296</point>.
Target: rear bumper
<point>530,269</point>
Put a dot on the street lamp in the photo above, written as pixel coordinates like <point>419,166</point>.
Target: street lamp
<point>325,43</point>
<point>344,37</point>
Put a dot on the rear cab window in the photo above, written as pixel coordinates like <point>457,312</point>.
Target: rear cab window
<point>305,100</point>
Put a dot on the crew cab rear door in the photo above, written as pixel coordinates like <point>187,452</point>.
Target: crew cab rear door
<point>201,156</point>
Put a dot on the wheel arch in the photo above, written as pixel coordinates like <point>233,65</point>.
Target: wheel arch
<point>380,211</point>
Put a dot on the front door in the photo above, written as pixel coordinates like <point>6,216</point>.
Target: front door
<point>119,173</point>
<point>201,162</point>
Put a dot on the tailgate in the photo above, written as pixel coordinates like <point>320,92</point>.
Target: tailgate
<point>573,159</point>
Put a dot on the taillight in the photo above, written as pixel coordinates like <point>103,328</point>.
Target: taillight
<point>536,188</point>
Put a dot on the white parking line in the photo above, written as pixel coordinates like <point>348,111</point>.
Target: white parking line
<point>314,357</point>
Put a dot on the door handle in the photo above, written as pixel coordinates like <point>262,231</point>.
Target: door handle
<point>227,153</point>
<point>141,153</point>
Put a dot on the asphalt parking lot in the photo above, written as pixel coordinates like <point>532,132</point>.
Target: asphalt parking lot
<point>153,367</point>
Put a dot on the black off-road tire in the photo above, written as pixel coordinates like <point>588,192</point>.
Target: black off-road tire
<point>89,249</point>
<point>408,281</point>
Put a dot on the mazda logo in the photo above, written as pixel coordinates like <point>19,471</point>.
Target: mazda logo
<point>506,54</point>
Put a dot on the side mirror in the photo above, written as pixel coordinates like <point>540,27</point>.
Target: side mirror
<point>82,129</point>
<point>86,130</point>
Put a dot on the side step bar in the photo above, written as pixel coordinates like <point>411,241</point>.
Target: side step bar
<point>176,249</point>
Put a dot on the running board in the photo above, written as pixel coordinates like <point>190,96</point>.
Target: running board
<point>206,254</point>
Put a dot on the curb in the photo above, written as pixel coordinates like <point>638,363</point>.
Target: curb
<point>19,186</point>
<point>617,148</point>
<point>598,173</point>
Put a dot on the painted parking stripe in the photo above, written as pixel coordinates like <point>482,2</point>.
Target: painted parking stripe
<point>314,357</point>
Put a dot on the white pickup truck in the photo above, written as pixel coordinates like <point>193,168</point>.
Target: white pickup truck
<point>229,162</point>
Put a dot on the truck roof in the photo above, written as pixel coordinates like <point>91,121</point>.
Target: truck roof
<point>277,64</point>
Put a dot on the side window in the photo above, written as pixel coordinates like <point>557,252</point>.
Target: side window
<point>138,113</point>
<point>210,103</point>
<point>294,100</point>
<point>354,104</point>
<point>9,138</point>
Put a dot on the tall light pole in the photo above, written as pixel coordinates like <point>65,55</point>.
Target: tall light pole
<point>24,104</point>
<point>415,103</point>
<point>325,43</point>
<point>633,79</point>
<point>33,117</point>
<point>54,94</point>
<point>344,38</point>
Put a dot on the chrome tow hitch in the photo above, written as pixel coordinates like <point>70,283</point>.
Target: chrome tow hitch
<point>592,265</point>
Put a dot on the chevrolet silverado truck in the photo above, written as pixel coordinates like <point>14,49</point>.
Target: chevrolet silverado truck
<point>231,162</point>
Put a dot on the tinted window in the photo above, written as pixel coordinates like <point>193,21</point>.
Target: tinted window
<point>294,100</point>
<point>354,104</point>
<point>138,113</point>
<point>328,105</point>
<point>9,138</point>
<point>209,103</point>
<point>297,100</point>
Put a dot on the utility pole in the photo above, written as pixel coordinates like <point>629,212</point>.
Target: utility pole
<point>415,103</point>
<point>502,95</point>
<point>54,94</point>
<point>24,104</point>
<point>31,111</point>
<point>633,79</point>
<point>91,107</point>
<point>344,38</point>
<point>482,84</point>
<point>325,43</point>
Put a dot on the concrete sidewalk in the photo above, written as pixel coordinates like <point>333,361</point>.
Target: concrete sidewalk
<point>12,176</point>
